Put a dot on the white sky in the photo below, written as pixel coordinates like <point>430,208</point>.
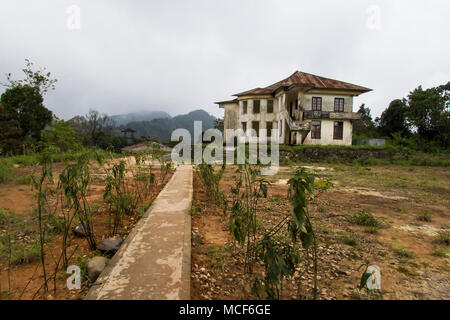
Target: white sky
<point>178,56</point>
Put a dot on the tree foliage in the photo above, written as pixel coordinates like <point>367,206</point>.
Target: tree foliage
<point>428,113</point>
<point>364,126</point>
<point>24,107</point>
<point>59,136</point>
<point>394,119</point>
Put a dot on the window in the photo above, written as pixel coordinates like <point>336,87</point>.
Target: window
<point>255,126</point>
<point>269,127</point>
<point>315,129</point>
<point>256,104</point>
<point>338,104</point>
<point>269,106</point>
<point>281,128</point>
<point>338,132</point>
<point>317,104</point>
<point>244,107</point>
<point>244,126</point>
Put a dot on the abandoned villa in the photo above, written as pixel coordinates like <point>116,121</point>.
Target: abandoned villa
<point>307,109</point>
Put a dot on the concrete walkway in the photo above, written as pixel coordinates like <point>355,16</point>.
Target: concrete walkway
<point>154,263</point>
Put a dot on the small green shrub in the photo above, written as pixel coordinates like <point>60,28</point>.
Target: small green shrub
<point>440,252</point>
<point>372,230</point>
<point>402,252</point>
<point>348,240</point>
<point>425,216</point>
<point>363,218</point>
<point>6,171</point>
<point>23,179</point>
<point>443,238</point>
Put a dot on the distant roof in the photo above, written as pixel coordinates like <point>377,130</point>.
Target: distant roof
<point>227,101</point>
<point>303,79</point>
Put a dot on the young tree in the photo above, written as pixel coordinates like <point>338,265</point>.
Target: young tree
<point>394,120</point>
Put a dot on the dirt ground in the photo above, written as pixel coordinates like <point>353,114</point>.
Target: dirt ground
<point>413,264</point>
<point>26,278</point>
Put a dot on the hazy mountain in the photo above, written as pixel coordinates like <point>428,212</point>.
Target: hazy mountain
<point>123,119</point>
<point>162,129</point>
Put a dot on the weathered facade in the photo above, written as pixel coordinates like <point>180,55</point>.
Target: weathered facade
<point>306,109</point>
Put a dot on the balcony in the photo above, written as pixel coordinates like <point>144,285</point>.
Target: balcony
<point>331,115</point>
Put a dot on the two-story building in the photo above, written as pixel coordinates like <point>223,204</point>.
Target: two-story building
<point>305,108</point>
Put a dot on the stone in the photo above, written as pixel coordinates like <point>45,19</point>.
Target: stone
<point>197,238</point>
<point>79,231</point>
<point>110,245</point>
<point>95,267</point>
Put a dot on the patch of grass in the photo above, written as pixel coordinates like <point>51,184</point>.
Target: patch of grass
<point>20,253</point>
<point>425,216</point>
<point>372,230</point>
<point>404,253</point>
<point>363,218</point>
<point>443,238</point>
<point>142,210</point>
<point>23,179</point>
<point>6,171</point>
<point>440,252</point>
<point>348,240</point>
<point>218,257</point>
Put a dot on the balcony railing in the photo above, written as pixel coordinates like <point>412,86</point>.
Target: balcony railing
<point>331,115</point>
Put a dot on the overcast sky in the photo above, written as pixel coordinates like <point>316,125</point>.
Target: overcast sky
<point>178,56</point>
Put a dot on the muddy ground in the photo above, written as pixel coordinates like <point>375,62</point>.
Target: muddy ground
<point>414,265</point>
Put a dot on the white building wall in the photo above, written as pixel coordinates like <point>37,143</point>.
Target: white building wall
<point>327,131</point>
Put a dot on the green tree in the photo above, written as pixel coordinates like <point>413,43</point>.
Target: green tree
<point>364,126</point>
<point>429,115</point>
<point>24,104</point>
<point>59,136</point>
<point>10,133</point>
<point>39,79</point>
<point>394,119</point>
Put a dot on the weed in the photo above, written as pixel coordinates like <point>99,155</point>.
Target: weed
<point>443,237</point>
<point>363,218</point>
<point>372,230</point>
<point>425,216</point>
<point>440,252</point>
<point>348,240</point>
<point>5,171</point>
<point>404,253</point>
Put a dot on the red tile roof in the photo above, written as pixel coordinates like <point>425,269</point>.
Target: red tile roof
<point>303,79</point>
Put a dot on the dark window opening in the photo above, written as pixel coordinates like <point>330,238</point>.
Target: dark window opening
<point>256,104</point>
<point>244,126</point>
<point>269,126</point>
<point>317,104</point>
<point>315,129</point>
<point>244,107</point>
<point>269,106</point>
<point>255,126</point>
<point>338,132</point>
<point>339,105</point>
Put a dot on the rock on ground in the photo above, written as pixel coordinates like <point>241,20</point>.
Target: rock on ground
<point>110,245</point>
<point>95,267</point>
